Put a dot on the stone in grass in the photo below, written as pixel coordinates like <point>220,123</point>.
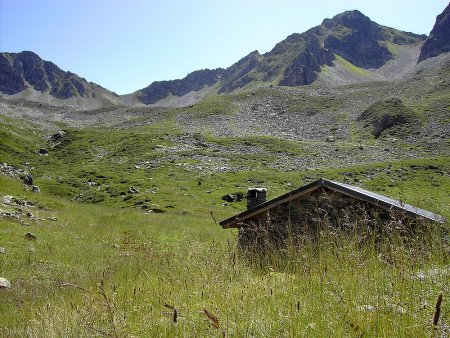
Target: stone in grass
<point>133,190</point>
<point>35,188</point>
<point>4,283</point>
<point>234,197</point>
<point>2,250</point>
<point>31,236</point>
<point>28,179</point>
<point>156,211</point>
<point>366,308</point>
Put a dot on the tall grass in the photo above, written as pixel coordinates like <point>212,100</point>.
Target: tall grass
<point>334,286</point>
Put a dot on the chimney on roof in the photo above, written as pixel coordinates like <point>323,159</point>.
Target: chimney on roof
<point>255,196</point>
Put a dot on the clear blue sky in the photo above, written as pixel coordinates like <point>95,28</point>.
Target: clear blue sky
<point>124,45</point>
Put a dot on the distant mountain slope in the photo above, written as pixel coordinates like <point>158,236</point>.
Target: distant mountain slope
<point>346,49</point>
<point>299,58</point>
<point>439,40</point>
<point>27,71</point>
<point>195,81</point>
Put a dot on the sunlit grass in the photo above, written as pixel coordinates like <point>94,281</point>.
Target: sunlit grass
<point>99,271</point>
<point>351,67</point>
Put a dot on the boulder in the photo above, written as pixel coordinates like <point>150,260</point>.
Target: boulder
<point>43,152</point>
<point>28,179</point>
<point>156,210</point>
<point>35,188</point>
<point>31,236</point>
<point>391,117</point>
<point>4,283</point>
<point>58,136</point>
<point>234,197</point>
<point>133,190</point>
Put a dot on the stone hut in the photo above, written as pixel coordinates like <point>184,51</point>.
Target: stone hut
<point>313,206</point>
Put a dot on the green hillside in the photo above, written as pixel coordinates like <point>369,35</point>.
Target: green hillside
<point>126,226</point>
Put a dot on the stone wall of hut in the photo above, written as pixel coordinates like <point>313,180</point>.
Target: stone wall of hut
<point>309,213</point>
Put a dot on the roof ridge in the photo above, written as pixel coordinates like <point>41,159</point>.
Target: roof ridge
<point>343,188</point>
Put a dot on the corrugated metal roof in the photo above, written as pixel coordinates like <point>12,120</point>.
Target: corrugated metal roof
<point>381,200</point>
<point>346,189</point>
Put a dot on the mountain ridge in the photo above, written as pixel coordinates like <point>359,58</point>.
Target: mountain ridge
<point>295,61</point>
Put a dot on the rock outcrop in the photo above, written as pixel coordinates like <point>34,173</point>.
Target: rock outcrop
<point>303,70</point>
<point>439,40</point>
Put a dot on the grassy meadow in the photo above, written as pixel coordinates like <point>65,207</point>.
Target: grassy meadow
<point>102,271</point>
<point>103,265</point>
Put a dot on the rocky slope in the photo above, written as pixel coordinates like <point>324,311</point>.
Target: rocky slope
<point>438,42</point>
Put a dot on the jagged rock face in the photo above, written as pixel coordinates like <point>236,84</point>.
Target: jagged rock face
<point>303,70</point>
<point>11,82</point>
<point>439,40</point>
<point>235,76</point>
<point>356,38</point>
<point>20,70</point>
<point>194,81</point>
<point>32,67</point>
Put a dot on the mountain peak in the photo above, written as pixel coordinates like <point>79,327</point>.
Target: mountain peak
<point>356,38</point>
<point>27,70</point>
<point>350,19</point>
